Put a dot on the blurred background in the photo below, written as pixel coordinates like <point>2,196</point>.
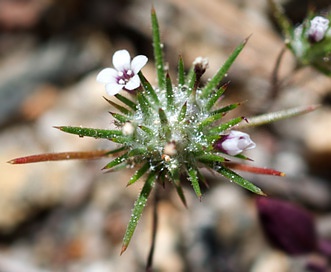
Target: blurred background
<point>70,216</point>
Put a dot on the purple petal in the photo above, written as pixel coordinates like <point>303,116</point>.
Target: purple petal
<point>133,83</point>
<point>138,62</point>
<point>113,88</point>
<point>286,226</point>
<point>107,75</point>
<point>121,60</point>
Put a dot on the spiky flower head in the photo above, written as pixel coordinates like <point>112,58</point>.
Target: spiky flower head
<point>172,130</point>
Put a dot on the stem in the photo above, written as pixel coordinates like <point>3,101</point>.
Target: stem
<point>275,84</point>
<point>149,264</point>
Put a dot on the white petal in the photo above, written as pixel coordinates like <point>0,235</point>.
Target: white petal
<point>107,75</point>
<point>133,83</point>
<point>113,88</point>
<point>121,60</point>
<point>231,147</point>
<point>138,62</point>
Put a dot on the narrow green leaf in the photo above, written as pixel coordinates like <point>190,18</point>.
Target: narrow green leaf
<point>147,130</point>
<point>164,124</point>
<point>216,80</point>
<point>229,124</point>
<point>214,98</point>
<point>182,113</point>
<point>210,158</point>
<point>121,118</point>
<point>144,106</point>
<point>163,117</point>
<point>191,84</point>
<point>181,72</point>
<point>209,120</point>
<point>126,101</point>
<point>193,177</point>
<point>137,152</point>
<point>149,89</point>
<point>170,93</point>
<point>276,116</point>
<point>92,132</point>
<point>139,173</point>
<point>227,108</point>
<point>232,176</point>
<point>158,54</point>
<point>138,209</point>
<point>116,106</point>
<point>117,161</point>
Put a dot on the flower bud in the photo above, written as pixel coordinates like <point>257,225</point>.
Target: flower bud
<point>234,143</point>
<point>318,27</point>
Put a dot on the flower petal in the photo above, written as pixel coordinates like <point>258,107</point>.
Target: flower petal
<point>133,83</point>
<point>113,88</point>
<point>121,60</point>
<point>138,62</point>
<point>107,75</point>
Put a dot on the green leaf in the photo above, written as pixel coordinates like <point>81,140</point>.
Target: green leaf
<point>214,98</point>
<point>121,118</point>
<point>139,173</point>
<point>232,176</point>
<point>138,209</point>
<point>117,161</point>
<point>229,124</point>
<point>191,83</point>
<point>126,101</point>
<point>227,108</point>
<point>209,120</point>
<point>216,80</point>
<point>92,132</point>
<point>182,113</point>
<point>210,158</point>
<point>170,93</point>
<point>158,54</point>
<point>144,106</point>
<point>181,72</point>
<point>120,108</point>
<point>149,89</point>
<point>193,177</point>
<point>147,130</point>
<point>163,117</point>
<point>164,124</point>
<point>276,116</point>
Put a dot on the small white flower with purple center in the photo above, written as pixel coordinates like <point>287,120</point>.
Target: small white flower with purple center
<point>125,75</point>
<point>318,27</point>
<point>234,143</point>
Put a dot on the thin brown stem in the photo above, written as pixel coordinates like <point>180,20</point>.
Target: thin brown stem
<point>275,83</point>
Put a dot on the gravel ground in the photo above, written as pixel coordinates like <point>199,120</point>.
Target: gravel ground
<point>71,216</point>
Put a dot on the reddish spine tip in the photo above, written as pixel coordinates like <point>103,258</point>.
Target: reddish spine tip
<point>124,247</point>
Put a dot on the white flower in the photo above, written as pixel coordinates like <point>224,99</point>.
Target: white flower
<point>318,27</point>
<point>234,143</point>
<point>125,74</point>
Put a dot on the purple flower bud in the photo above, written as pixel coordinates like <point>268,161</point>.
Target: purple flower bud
<point>286,226</point>
<point>234,143</point>
<point>318,27</point>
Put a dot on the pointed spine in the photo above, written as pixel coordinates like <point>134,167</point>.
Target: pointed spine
<point>158,54</point>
